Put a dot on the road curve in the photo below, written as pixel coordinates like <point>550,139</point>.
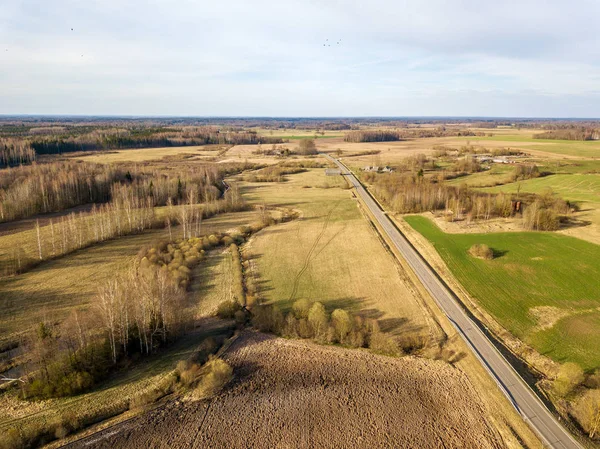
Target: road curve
<point>527,403</point>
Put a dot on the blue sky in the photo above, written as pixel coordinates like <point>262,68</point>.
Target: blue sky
<point>258,58</point>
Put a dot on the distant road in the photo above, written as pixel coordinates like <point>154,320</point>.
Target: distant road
<point>534,412</point>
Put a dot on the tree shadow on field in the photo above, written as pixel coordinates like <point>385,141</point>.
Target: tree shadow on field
<point>203,280</point>
<point>392,324</point>
<point>499,252</point>
<point>272,230</point>
<point>570,223</point>
<point>350,304</point>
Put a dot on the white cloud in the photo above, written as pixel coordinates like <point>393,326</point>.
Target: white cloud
<point>267,57</point>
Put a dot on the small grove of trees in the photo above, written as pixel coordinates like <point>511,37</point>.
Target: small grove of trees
<point>414,193</point>
<point>307,147</point>
<point>522,172</point>
<point>177,259</point>
<point>311,320</point>
<point>207,380</point>
<point>15,152</point>
<point>372,136</point>
<point>467,165</point>
<point>545,212</point>
<point>137,313</point>
<point>574,133</point>
<point>43,188</point>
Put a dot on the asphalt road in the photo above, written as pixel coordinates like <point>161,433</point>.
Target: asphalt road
<point>534,412</point>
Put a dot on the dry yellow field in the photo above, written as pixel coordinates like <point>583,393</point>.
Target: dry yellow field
<point>331,254</point>
<point>149,154</point>
<point>212,282</point>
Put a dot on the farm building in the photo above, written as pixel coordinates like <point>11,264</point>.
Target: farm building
<point>376,169</point>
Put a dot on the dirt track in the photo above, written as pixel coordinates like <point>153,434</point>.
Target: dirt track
<point>295,394</point>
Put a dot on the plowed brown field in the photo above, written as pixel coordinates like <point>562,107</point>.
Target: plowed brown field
<point>295,394</point>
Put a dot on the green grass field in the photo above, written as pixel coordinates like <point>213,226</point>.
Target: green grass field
<point>527,142</point>
<point>497,174</point>
<point>572,187</point>
<point>532,270</point>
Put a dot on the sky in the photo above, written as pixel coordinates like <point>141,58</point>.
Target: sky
<point>502,58</point>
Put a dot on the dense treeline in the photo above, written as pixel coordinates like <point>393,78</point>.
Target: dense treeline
<point>577,133</point>
<point>15,152</point>
<point>124,216</point>
<point>22,126</point>
<point>372,136</point>
<point>43,188</point>
<point>414,193</point>
<point>408,133</point>
<point>105,139</point>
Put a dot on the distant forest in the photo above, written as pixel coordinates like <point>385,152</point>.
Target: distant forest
<point>19,143</point>
<point>22,137</point>
<point>571,132</point>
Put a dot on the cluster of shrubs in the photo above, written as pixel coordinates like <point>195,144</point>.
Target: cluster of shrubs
<point>310,320</point>
<point>467,165</point>
<point>204,373</point>
<point>204,380</point>
<point>546,212</point>
<point>522,172</point>
<point>177,258</point>
<point>578,395</point>
<point>239,291</point>
<point>481,251</point>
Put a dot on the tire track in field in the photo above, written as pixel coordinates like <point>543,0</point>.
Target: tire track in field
<point>311,251</point>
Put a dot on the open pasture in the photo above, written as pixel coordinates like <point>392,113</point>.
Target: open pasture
<point>542,287</point>
<point>151,154</point>
<point>572,187</point>
<point>330,254</point>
